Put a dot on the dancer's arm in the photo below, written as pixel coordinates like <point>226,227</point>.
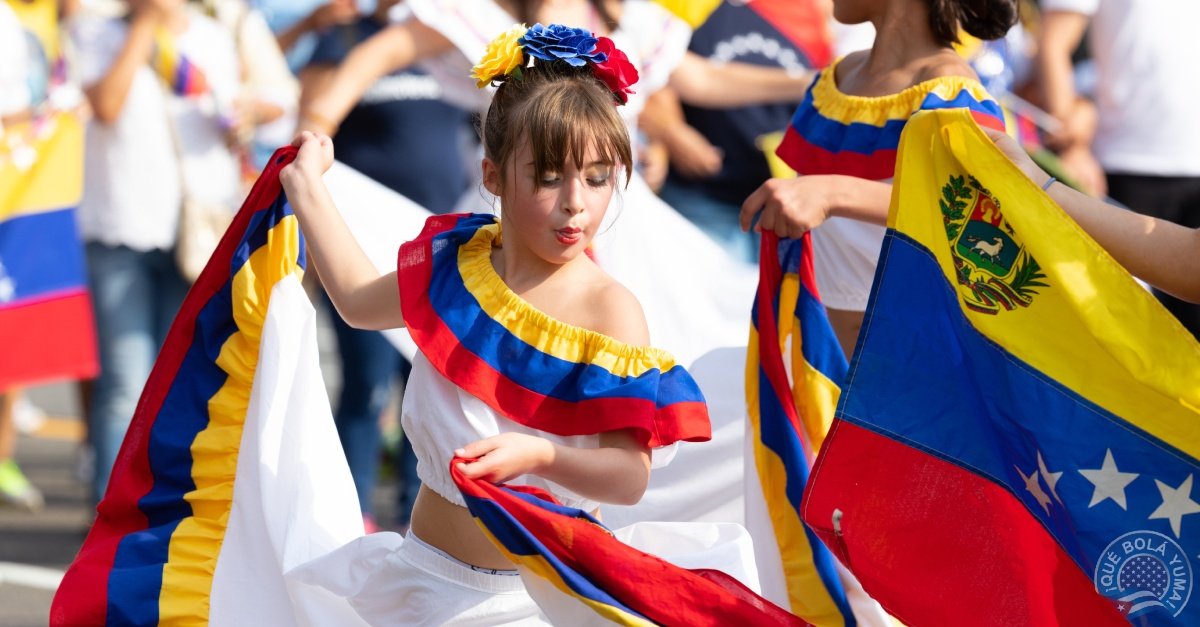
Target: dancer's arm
<point>1161,253</point>
<point>701,83</point>
<point>789,207</point>
<point>364,299</point>
<point>394,48</point>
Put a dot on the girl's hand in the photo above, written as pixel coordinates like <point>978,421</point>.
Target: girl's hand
<point>1016,154</point>
<point>503,457</point>
<point>789,207</point>
<point>314,158</point>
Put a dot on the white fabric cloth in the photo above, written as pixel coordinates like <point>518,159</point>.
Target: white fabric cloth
<point>293,497</point>
<point>390,580</point>
<point>132,190</point>
<point>1144,52</point>
<point>438,417</point>
<point>846,252</point>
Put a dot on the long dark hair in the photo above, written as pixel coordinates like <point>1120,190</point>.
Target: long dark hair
<point>985,19</point>
<point>526,14</point>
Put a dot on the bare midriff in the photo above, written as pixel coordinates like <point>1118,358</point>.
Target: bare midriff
<point>451,528</point>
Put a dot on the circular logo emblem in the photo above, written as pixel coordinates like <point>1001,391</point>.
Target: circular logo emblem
<point>1144,571</point>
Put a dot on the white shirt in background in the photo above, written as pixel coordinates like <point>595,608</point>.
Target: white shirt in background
<point>1145,53</point>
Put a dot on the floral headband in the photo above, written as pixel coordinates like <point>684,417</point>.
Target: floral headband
<point>506,56</point>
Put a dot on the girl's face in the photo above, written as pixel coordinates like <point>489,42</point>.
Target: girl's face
<point>557,216</point>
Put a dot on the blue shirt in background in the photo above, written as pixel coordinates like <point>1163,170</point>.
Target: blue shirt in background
<point>401,133</point>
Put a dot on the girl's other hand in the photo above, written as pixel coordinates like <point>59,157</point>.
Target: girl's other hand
<point>789,207</point>
<point>1016,154</point>
<point>314,158</point>
<point>506,456</point>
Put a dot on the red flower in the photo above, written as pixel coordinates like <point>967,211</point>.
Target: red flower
<point>616,71</point>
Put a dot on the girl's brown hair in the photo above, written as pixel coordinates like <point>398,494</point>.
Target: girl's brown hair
<point>561,111</point>
<point>985,19</point>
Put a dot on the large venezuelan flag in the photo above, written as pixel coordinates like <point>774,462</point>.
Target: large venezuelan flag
<point>46,322</point>
<point>788,419</point>
<point>152,552</point>
<point>580,557</point>
<point>1017,438</point>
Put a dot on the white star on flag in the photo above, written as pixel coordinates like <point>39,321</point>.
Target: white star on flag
<point>1035,488</point>
<point>1109,481</point>
<point>1177,503</point>
<point>1050,477</point>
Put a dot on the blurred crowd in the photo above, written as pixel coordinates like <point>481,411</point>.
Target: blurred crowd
<point>185,100</point>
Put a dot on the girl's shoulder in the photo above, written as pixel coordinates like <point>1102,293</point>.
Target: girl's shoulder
<point>934,84</point>
<point>949,66</point>
<point>614,311</point>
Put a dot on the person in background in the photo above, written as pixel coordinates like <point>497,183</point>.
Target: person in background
<point>161,82</point>
<point>1146,131</point>
<point>402,135</point>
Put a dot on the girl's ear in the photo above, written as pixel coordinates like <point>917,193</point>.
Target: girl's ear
<point>491,177</point>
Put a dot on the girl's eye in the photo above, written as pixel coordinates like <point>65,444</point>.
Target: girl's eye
<point>549,179</point>
<point>599,179</point>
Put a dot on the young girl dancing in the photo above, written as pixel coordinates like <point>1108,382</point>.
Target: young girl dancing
<point>532,359</point>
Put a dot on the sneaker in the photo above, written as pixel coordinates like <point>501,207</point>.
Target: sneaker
<point>15,489</point>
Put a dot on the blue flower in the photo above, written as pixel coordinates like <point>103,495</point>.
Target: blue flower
<point>573,45</point>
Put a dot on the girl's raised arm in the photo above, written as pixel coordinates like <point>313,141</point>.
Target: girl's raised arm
<point>394,48</point>
<point>364,298</point>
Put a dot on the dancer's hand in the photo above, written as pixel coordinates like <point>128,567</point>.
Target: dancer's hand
<point>503,457</point>
<point>314,158</point>
<point>789,207</point>
<point>1016,154</point>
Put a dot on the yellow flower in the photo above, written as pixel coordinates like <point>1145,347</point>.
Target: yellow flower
<point>503,55</point>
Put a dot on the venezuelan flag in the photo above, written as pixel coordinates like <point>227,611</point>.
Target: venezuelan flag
<point>836,133</point>
<point>580,557</point>
<point>175,69</point>
<point>788,419</point>
<point>46,320</point>
<point>1017,441</point>
<point>532,368</point>
<point>152,552</point>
